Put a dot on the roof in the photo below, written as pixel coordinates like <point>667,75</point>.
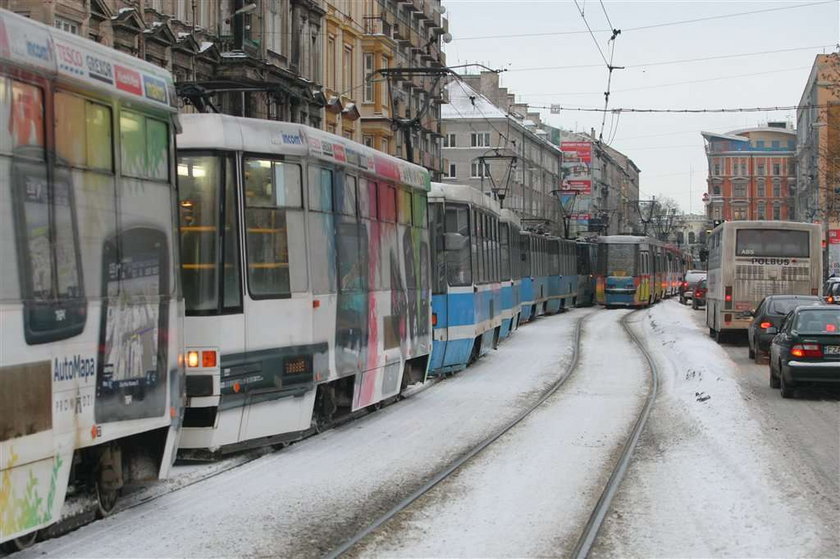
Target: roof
<point>467,103</point>
<point>466,194</point>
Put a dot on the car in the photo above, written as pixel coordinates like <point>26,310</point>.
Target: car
<point>686,290</point>
<point>806,348</point>
<point>698,298</point>
<point>831,291</point>
<point>769,314</point>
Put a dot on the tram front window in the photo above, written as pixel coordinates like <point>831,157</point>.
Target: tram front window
<point>621,260</point>
<point>203,204</point>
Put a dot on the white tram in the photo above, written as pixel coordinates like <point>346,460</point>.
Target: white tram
<point>90,312</point>
<point>305,273</point>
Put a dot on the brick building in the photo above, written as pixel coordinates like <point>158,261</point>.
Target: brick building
<point>751,173</point>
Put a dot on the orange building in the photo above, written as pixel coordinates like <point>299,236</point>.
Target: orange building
<point>751,173</point>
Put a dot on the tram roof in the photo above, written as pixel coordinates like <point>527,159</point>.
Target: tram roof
<point>511,217</point>
<point>235,133</point>
<point>466,194</point>
<point>623,239</point>
<point>68,57</point>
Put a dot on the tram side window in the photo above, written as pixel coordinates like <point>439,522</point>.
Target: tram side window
<point>144,146</point>
<point>387,203</point>
<point>345,197</point>
<point>404,207</point>
<point>320,189</point>
<point>515,261</point>
<point>419,210</point>
<point>272,188</point>
<point>367,199</point>
<point>457,245</point>
<point>77,118</point>
<point>504,250</point>
<point>436,238</point>
<point>524,256</point>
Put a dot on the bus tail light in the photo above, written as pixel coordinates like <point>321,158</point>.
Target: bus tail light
<point>727,297</point>
<point>192,359</point>
<point>806,350</point>
<point>765,325</point>
<point>434,319</point>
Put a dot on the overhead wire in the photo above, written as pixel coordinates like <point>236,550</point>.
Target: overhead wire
<point>642,27</point>
<point>684,111</point>
<point>667,62</point>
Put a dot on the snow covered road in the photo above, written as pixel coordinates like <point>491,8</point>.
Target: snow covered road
<point>710,478</point>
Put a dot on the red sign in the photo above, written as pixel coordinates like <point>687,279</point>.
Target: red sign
<point>834,236</point>
<point>339,153</point>
<point>577,167</point>
<point>128,80</point>
<point>580,186</point>
<point>577,151</point>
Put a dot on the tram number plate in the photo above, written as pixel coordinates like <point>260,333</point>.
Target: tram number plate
<point>832,349</point>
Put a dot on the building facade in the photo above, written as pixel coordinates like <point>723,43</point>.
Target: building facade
<point>751,173</point>
<point>310,61</point>
<point>501,153</point>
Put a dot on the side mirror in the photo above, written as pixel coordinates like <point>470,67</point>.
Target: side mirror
<point>454,241</point>
<point>772,330</point>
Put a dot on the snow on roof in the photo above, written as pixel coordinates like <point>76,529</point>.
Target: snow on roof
<point>205,45</point>
<point>466,103</point>
<point>718,136</point>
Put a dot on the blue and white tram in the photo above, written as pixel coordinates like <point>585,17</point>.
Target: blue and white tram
<point>534,271</point>
<point>90,310</point>
<point>509,228</point>
<point>305,273</point>
<point>549,275</point>
<point>467,303</point>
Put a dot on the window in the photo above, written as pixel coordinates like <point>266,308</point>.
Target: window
<point>320,189</point>
<point>760,171</point>
<point>144,146</point>
<point>77,119</point>
<point>385,147</point>
<point>270,188</point>
<point>348,68</point>
<point>717,169</point>
<point>777,189</point>
<point>345,202</point>
<point>739,190</point>
<point>762,211</point>
<point>780,243</point>
<point>776,169</point>
<point>387,203</point>
<point>777,212</point>
<point>67,25</point>
<point>457,244</point>
<point>759,143</point>
<point>762,190</point>
<point>477,170</point>
<point>774,144</point>
<point>716,190</point>
<point>404,207</point>
<point>739,213</point>
<point>330,82</point>
<point>369,77</point>
<point>480,139</point>
<point>368,141</point>
<point>201,197</point>
<point>451,171</point>
<point>743,168</point>
<point>449,141</point>
<point>419,210</point>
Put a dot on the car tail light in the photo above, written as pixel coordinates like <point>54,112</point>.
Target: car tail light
<point>806,350</point>
<point>829,299</point>
<point>727,297</point>
<point>765,325</point>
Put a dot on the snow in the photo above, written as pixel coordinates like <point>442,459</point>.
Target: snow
<point>704,481</point>
<point>304,500</point>
<point>531,493</point>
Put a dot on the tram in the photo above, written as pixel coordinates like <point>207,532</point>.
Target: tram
<point>509,231</point>
<point>625,273</point>
<point>91,337</point>
<point>306,279</point>
<point>587,257</point>
<point>467,301</point>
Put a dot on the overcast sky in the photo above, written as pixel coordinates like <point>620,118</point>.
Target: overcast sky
<point>666,147</point>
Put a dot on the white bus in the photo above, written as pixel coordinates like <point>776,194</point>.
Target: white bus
<point>306,278</point>
<point>749,260</point>
<point>90,327</point>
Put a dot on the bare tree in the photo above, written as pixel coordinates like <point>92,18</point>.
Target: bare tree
<point>660,217</point>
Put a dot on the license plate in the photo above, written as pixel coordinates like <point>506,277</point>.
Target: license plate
<point>831,349</point>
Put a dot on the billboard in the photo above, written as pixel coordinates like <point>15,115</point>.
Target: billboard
<point>577,167</point>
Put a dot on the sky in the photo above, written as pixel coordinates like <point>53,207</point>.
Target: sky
<point>705,69</point>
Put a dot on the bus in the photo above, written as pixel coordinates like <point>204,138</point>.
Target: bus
<point>91,337</point>
<point>305,269</point>
<point>749,260</point>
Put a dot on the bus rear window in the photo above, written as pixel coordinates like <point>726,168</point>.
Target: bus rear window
<point>779,243</point>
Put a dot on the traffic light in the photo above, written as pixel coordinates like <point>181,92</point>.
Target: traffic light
<point>716,222</point>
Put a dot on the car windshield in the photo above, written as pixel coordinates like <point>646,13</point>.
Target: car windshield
<point>821,321</point>
<point>784,306</point>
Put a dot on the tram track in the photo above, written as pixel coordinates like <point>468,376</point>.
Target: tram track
<point>596,519</point>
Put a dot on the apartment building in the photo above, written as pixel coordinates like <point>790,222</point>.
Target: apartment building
<point>751,173</point>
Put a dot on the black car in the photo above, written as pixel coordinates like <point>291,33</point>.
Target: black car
<point>769,314</point>
<point>806,348</point>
